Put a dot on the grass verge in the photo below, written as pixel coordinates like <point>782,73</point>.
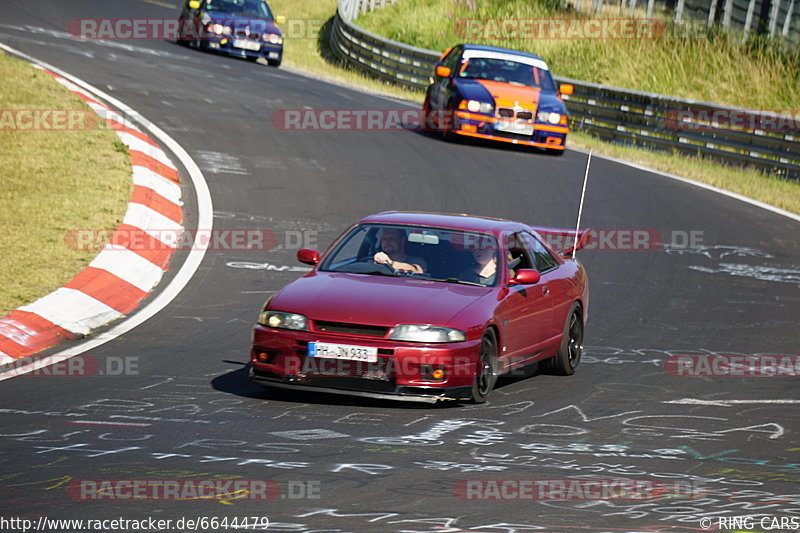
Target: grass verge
<point>54,181</point>
<point>421,23</point>
<point>696,63</point>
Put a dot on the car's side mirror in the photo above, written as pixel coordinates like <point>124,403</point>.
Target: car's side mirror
<point>194,4</point>
<point>442,71</point>
<point>526,276</point>
<point>309,257</point>
<point>566,89</point>
<point>280,19</point>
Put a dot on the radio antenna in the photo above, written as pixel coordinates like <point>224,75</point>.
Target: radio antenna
<point>580,208</point>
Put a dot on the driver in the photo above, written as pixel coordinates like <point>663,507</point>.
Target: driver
<point>393,252</point>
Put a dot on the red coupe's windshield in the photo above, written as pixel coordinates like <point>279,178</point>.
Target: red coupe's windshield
<point>436,254</point>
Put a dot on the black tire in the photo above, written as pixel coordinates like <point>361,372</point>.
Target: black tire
<point>274,62</point>
<point>569,353</point>
<point>486,371</point>
<point>554,152</point>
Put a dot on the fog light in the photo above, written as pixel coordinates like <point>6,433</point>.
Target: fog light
<point>469,127</point>
<point>438,374</point>
<point>262,357</point>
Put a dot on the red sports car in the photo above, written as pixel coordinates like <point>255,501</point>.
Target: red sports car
<point>424,307</point>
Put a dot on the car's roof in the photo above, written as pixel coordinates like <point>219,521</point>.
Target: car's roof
<point>445,220</point>
<point>486,48</point>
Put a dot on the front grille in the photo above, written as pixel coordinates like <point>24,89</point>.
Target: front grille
<point>507,112</point>
<point>245,35</point>
<point>351,329</point>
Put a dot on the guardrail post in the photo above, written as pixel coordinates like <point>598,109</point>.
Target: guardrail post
<point>773,19</point>
<point>787,22</point>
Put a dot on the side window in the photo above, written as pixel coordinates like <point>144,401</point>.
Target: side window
<point>451,61</point>
<point>518,255</point>
<point>544,261</point>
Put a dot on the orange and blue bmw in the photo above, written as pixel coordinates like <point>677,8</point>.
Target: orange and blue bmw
<point>497,94</point>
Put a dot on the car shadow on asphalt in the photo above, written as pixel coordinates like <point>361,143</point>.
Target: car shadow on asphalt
<point>436,135</point>
<point>236,383</point>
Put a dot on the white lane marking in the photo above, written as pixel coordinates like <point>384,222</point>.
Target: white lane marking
<point>205,221</point>
<point>162,186</point>
<point>729,194</point>
<point>153,223</point>
<point>73,310</point>
<point>128,266</point>
<point>729,403</point>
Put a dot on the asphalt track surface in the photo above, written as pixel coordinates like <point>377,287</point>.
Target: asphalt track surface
<point>374,465</point>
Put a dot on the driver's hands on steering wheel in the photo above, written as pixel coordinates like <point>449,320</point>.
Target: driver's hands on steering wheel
<point>382,258</point>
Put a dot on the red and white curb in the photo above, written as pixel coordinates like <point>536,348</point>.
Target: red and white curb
<point>121,275</point>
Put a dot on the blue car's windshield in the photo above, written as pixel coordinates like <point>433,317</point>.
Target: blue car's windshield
<point>502,70</point>
<point>249,8</point>
<point>436,254</point>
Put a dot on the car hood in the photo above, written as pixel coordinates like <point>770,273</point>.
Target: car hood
<point>240,22</point>
<point>502,94</point>
<point>375,300</point>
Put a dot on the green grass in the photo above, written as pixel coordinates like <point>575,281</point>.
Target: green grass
<point>706,65</point>
<point>53,181</point>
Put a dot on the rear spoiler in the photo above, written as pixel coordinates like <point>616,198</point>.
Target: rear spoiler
<point>563,240</point>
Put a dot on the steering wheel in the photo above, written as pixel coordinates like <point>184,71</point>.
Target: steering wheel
<point>367,265</point>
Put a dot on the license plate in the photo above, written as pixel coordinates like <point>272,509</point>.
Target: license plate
<point>343,351</point>
<point>519,128</point>
<point>247,45</point>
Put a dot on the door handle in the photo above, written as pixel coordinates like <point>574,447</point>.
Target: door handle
<point>545,290</point>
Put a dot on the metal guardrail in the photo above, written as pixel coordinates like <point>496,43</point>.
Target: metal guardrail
<point>647,120</point>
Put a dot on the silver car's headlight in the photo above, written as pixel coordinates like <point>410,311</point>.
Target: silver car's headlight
<point>280,319</point>
<point>426,333</point>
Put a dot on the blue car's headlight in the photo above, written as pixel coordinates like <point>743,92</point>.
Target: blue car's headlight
<point>280,319</point>
<point>426,333</point>
<point>552,117</point>
<point>273,38</point>
<point>480,107</point>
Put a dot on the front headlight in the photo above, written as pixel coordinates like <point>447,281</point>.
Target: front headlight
<point>480,107</point>
<point>280,319</point>
<point>274,38</point>
<point>426,333</point>
<point>548,116</point>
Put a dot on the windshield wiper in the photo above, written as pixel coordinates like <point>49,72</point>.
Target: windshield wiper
<point>455,280</point>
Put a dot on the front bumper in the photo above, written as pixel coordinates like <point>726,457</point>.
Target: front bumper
<point>403,371</point>
<point>549,136</point>
<point>269,51</point>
